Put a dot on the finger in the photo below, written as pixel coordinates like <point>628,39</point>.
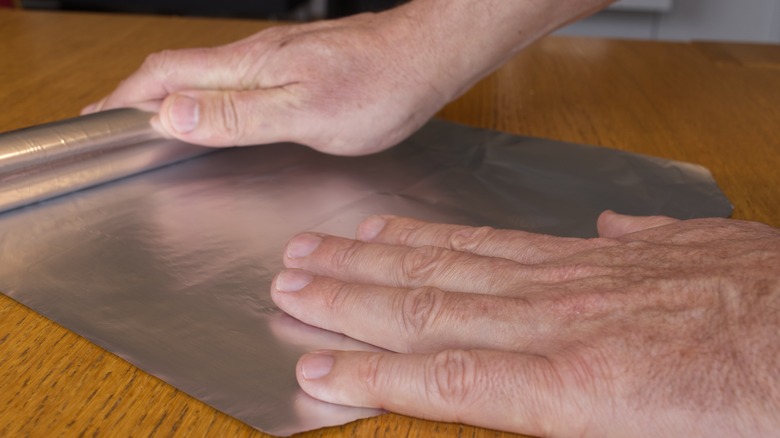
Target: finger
<point>400,266</point>
<point>506,391</point>
<point>234,118</point>
<point>427,266</point>
<point>520,246</point>
<point>94,107</point>
<point>170,71</point>
<point>416,320</point>
<point>613,225</point>
<point>291,331</point>
<point>149,106</point>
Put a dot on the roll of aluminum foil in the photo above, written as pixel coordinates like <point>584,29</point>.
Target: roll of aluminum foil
<point>57,158</point>
<point>171,269</point>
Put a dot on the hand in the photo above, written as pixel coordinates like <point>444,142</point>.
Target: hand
<point>658,327</point>
<point>351,86</point>
<point>337,86</point>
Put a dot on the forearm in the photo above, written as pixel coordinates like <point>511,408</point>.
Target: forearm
<point>467,39</point>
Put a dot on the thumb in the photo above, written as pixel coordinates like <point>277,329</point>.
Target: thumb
<point>614,225</point>
<point>500,390</point>
<point>229,118</point>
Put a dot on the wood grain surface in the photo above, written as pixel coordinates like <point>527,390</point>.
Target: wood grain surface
<point>712,104</point>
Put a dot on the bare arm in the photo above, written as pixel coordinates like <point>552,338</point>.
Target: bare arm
<point>351,86</point>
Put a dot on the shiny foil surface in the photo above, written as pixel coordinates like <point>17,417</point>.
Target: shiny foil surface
<point>57,158</point>
<point>170,269</point>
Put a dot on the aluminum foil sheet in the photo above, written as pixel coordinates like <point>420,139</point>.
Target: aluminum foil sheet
<point>171,269</point>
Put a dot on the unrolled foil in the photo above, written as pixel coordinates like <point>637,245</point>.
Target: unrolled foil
<point>171,269</point>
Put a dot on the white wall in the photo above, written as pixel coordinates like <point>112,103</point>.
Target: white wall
<point>724,20</point>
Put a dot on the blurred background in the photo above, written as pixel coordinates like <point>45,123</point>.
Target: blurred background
<point>720,20</point>
<point>299,10</point>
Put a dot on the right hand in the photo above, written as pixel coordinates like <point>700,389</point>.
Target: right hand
<point>349,87</point>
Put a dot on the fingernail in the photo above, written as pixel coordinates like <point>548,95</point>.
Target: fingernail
<point>370,228</point>
<point>184,113</point>
<point>303,245</point>
<point>292,280</point>
<point>316,365</point>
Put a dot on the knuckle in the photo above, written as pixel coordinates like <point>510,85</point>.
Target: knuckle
<point>585,367</point>
<point>154,60</point>
<point>159,63</point>
<point>407,234</point>
<point>419,309</point>
<point>346,257</point>
<point>470,239</point>
<point>229,117</point>
<point>412,233</point>
<point>370,375</point>
<point>335,297</point>
<point>452,377</point>
<point>420,264</point>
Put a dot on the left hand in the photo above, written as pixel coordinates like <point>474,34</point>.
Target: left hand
<point>658,327</point>
<point>351,86</point>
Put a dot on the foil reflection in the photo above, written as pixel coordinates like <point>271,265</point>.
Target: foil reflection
<point>171,269</point>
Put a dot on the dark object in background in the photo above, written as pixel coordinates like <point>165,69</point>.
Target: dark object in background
<point>279,9</point>
<point>342,8</point>
<point>300,10</point>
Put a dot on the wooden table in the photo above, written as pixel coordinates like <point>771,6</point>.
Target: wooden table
<point>714,104</point>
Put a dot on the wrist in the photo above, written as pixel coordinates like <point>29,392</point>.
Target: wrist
<point>464,40</point>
